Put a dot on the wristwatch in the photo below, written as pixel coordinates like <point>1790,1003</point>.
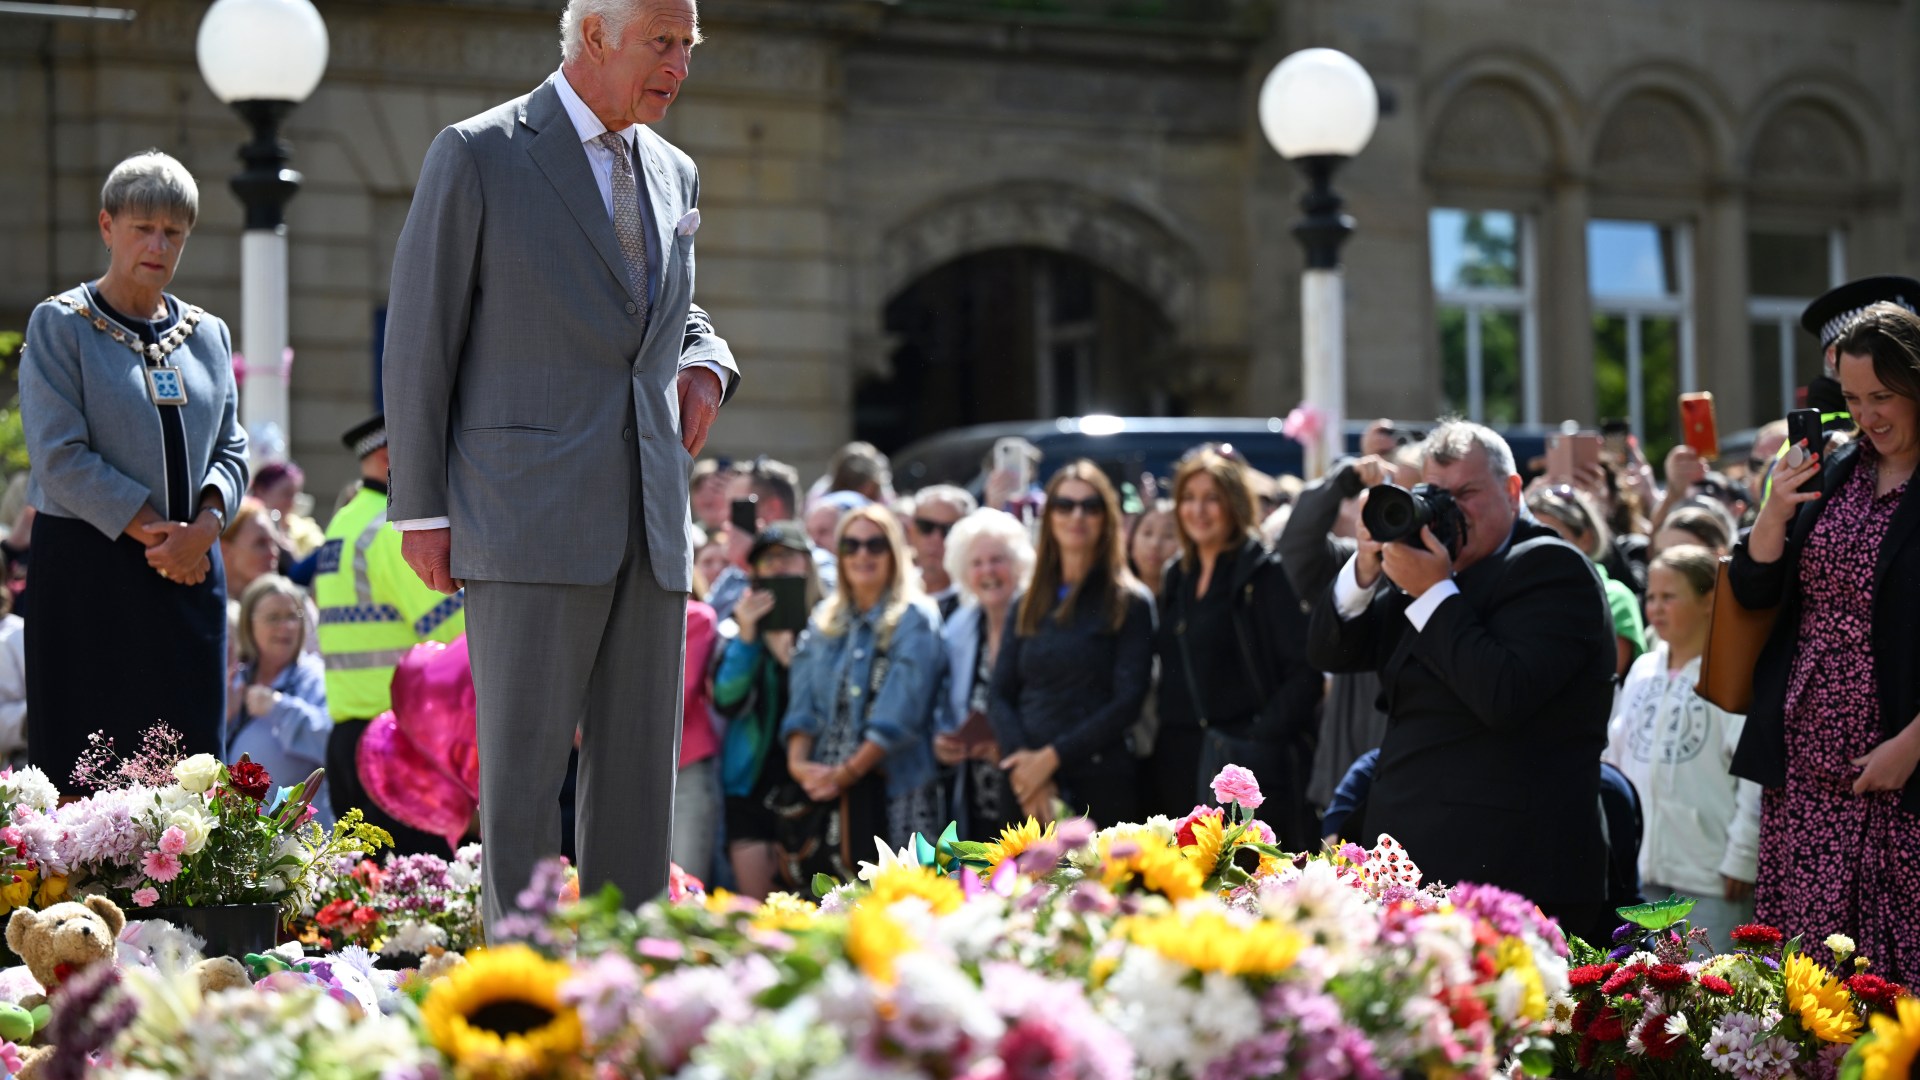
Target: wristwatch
<point>219,515</point>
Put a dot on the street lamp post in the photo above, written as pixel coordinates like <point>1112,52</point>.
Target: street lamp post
<point>262,58</point>
<point>1318,108</point>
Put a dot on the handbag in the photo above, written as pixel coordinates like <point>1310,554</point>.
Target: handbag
<point>1735,636</point>
<point>817,838</point>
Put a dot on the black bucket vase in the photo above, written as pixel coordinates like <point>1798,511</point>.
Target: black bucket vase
<point>230,929</point>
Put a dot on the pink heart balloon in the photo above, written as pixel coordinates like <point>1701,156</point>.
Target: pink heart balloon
<point>410,786</point>
<point>433,701</point>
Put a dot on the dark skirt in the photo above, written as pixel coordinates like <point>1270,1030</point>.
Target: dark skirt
<point>116,648</point>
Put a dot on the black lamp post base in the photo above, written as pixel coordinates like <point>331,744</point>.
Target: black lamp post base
<point>266,185</point>
<point>1324,228</point>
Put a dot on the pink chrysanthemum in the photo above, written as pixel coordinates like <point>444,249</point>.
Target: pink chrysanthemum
<point>160,866</point>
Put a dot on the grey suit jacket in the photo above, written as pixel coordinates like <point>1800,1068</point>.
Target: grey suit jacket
<point>519,379</point>
<point>94,434</point>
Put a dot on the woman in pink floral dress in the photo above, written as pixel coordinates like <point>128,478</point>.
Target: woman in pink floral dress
<point>1832,734</point>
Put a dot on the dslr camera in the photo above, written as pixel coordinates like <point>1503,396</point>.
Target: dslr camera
<point>1395,514</point>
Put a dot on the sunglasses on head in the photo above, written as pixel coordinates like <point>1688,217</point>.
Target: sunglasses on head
<point>928,527</point>
<point>1094,506</point>
<point>872,545</point>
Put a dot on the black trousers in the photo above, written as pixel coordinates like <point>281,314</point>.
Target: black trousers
<point>343,784</point>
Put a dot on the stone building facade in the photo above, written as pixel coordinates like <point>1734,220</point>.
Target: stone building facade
<point>919,214</point>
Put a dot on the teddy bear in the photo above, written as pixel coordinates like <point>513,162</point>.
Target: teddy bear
<point>57,943</point>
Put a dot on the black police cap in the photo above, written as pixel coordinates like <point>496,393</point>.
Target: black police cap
<point>1827,317</point>
<point>367,436</point>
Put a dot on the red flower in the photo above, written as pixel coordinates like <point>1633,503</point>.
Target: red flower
<point>334,914</point>
<point>1607,1027</point>
<point>364,917</point>
<point>1878,993</point>
<point>1582,977</point>
<point>1717,985</point>
<point>1757,935</point>
<point>250,778</point>
<point>1583,1017</point>
<point>1465,1007</point>
<point>1623,978</point>
<point>1623,1071</point>
<point>1668,976</point>
<point>1660,1045</point>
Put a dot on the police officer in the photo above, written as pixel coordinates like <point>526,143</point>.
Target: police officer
<point>373,608</point>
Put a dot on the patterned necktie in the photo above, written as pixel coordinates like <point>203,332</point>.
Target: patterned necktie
<point>628,225</point>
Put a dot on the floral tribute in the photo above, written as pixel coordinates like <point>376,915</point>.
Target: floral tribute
<point>407,905</point>
<point>162,829</point>
<point>1661,1004</point>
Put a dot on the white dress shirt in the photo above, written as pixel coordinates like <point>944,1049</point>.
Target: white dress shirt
<point>600,159</point>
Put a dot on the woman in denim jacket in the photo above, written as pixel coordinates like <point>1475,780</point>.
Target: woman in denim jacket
<point>860,722</point>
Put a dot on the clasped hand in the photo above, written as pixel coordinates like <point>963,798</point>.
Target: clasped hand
<point>179,552</point>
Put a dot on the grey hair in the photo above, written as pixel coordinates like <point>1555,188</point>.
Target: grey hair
<point>979,525</point>
<point>957,497</point>
<point>152,183</point>
<point>1453,440</point>
<point>614,16</point>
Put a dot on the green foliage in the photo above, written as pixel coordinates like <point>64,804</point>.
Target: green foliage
<point>1660,914</point>
<point>13,441</point>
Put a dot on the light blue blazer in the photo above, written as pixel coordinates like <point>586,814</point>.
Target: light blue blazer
<point>962,634</point>
<point>94,434</point>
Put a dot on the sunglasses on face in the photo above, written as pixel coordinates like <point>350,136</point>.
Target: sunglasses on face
<point>1091,507</point>
<point>872,545</point>
<point>927,527</point>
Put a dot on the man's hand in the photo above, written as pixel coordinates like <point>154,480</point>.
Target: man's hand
<point>430,553</point>
<point>1415,569</point>
<point>700,393</point>
<point>1684,469</point>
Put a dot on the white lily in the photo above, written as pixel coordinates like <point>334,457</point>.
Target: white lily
<point>889,859</point>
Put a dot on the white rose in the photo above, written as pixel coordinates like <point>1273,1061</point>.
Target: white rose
<point>198,772</point>
<point>196,825</point>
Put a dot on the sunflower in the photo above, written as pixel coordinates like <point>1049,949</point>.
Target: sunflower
<point>874,941</point>
<point>896,883</point>
<point>1890,1052</point>
<point>1209,836</point>
<point>1157,865</point>
<point>785,911</point>
<point>1016,840</point>
<point>499,1016</point>
<point>1825,1007</point>
<point>1210,941</point>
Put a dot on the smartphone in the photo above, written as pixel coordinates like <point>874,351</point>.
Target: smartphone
<point>789,602</point>
<point>745,515</point>
<point>1570,455</point>
<point>1015,455</point>
<point>1613,435</point>
<point>1698,427</point>
<point>1803,425</point>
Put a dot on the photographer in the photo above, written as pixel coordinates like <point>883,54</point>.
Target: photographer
<point>1496,659</point>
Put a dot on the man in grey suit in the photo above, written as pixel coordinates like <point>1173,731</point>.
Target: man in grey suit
<point>548,382</point>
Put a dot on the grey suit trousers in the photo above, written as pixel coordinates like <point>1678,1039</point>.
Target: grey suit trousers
<point>609,660</point>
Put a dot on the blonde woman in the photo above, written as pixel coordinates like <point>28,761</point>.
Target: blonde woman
<point>859,727</point>
<point>277,705</point>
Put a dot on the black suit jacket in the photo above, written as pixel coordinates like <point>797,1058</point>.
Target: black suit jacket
<point>1497,716</point>
<point>1762,753</point>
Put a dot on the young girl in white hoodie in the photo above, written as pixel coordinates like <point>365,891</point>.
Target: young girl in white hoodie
<point>1702,824</point>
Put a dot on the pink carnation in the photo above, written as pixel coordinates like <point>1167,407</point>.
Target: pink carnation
<point>1237,785</point>
<point>161,866</point>
<point>146,897</point>
<point>173,841</point>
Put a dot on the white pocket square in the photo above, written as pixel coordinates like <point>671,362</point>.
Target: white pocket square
<point>689,224</point>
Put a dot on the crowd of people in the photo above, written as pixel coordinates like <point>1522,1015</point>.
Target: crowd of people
<point>1512,696</point>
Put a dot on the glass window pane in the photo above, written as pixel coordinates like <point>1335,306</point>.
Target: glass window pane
<point>1631,258</point>
<point>1787,264</point>
<point>1453,360</point>
<point>1765,344</point>
<point>1660,385</point>
<point>1475,249</point>
<point>1501,367</point>
<point>1610,367</point>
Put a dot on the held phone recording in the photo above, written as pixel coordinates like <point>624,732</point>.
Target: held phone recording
<point>745,515</point>
<point>1014,455</point>
<point>1699,428</point>
<point>1803,426</point>
<point>1570,455</point>
<point>1613,436</point>
<point>789,602</point>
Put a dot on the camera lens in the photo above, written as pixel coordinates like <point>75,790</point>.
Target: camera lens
<point>1397,515</point>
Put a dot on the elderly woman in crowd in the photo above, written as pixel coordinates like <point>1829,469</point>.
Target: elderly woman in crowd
<point>1832,734</point>
<point>277,705</point>
<point>1077,661</point>
<point>130,413</point>
<point>1575,515</point>
<point>1235,686</point>
<point>991,559</point>
<point>860,723</point>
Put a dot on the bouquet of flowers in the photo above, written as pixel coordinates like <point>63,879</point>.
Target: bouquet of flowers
<point>408,904</point>
<point>1653,1007</point>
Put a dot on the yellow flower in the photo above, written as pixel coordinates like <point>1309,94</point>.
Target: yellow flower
<point>18,892</point>
<point>1824,1005</point>
<point>1016,840</point>
<point>52,891</point>
<point>1209,836</point>
<point>499,1015</point>
<point>1895,1045</point>
<point>785,911</point>
<point>896,883</point>
<point>1210,941</point>
<point>1158,865</point>
<point>1513,955</point>
<point>874,941</point>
